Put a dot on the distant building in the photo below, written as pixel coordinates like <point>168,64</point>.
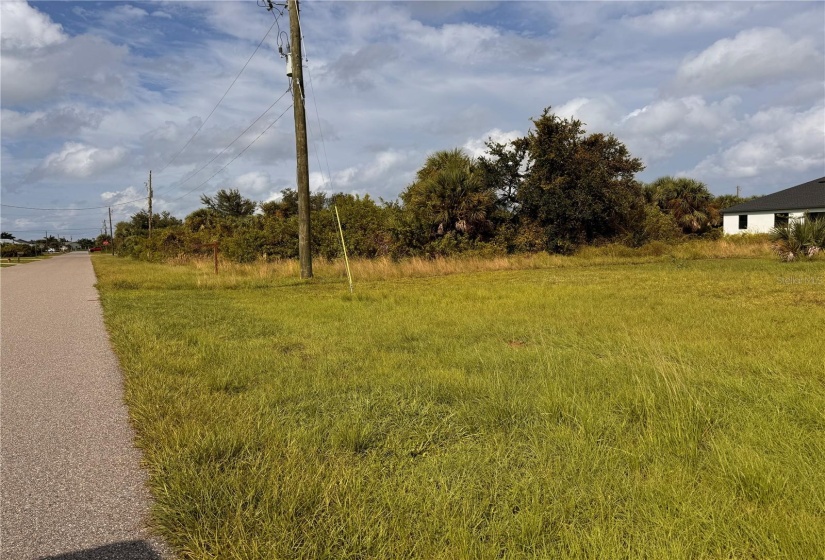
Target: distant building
<point>16,242</point>
<point>763,214</point>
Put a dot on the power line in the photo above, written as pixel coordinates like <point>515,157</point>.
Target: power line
<point>124,203</point>
<point>234,158</point>
<point>67,209</point>
<point>193,174</point>
<point>221,99</point>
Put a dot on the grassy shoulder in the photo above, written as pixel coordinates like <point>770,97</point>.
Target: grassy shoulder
<point>7,262</point>
<point>579,408</point>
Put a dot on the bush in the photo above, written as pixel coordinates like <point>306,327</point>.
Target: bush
<point>8,250</point>
<point>799,239</point>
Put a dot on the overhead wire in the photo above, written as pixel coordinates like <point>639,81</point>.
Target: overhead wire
<point>274,23</point>
<point>239,154</point>
<point>208,163</point>
<point>305,54</point>
<point>141,199</point>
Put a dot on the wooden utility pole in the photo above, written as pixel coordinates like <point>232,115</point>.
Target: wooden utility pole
<point>150,203</point>
<point>295,56</point>
<point>111,231</point>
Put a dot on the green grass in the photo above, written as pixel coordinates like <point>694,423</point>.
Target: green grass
<point>7,262</point>
<point>665,410</point>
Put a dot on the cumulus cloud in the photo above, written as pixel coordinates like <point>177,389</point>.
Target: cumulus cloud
<point>752,58</point>
<point>253,184</point>
<point>778,140</point>
<point>54,123</point>
<point>660,129</point>
<point>477,147</point>
<point>24,27</point>
<point>80,161</point>
<point>598,114</point>
<point>83,65</point>
<point>124,202</point>
<point>389,170</point>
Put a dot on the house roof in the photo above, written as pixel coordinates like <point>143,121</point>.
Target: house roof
<point>801,197</point>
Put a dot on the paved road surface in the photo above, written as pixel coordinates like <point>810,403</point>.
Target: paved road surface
<point>69,477</point>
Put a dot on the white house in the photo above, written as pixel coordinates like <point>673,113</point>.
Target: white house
<point>763,214</point>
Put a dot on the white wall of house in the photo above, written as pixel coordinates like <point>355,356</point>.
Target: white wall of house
<point>759,222</point>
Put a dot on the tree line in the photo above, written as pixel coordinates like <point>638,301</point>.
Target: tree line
<point>555,189</point>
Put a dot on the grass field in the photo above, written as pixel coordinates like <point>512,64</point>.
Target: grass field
<point>579,408</point>
<point>6,262</point>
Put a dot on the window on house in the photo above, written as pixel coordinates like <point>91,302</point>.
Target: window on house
<point>780,219</point>
<point>817,216</point>
<point>743,221</point>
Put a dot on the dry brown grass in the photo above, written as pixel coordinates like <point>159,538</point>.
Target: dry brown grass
<point>385,268</point>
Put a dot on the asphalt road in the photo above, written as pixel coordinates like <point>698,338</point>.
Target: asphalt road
<point>70,483</point>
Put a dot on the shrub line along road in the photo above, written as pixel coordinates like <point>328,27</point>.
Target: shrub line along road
<point>70,479</point>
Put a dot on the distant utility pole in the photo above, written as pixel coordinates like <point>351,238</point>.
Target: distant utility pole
<point>295,66</point>
<point>111,232</point>
<point>150,203</point>
<point>737,191</point>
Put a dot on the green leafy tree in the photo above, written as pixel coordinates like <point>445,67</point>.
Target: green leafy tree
<point>502,169</point>
<point>579,188</point>
<point>6,235</point>
<point>230,203</point>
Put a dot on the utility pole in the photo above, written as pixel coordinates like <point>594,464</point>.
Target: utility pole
<point>295,57</point>
<point>150,203</point>
<point>737,191</point>
<point>111,232</point>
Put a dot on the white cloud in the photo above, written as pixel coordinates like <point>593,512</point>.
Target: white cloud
<point>24,27</point>
<point>477,147</point>
<point>662,128</point>
<point>16,123</point>
<point>125,12</point>
<point>388,169</point>
<point>82,65</point>
<point>81,161</point>
<point>253,183</point>
<point>598,114</point>
<point>124,202</point>
<point>778,140</point>
<point>687,18</point>
<point>754,57</point>
<point>54,123</point>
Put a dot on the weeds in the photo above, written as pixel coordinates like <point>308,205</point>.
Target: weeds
<point>582,407</point>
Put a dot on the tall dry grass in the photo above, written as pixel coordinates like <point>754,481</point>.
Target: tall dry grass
<point>735,247</point>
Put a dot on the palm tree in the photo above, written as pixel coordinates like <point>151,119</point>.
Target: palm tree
<point>799,238</point>
<point>450,194</point>
<point>688,200</point>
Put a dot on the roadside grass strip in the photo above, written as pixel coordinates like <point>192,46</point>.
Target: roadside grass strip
<point>673,409</point>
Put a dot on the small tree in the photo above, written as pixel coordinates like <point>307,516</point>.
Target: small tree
<point>579,188</point>
<point>230,203</point>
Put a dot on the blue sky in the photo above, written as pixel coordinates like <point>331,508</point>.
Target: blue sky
<point>95,94</point>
